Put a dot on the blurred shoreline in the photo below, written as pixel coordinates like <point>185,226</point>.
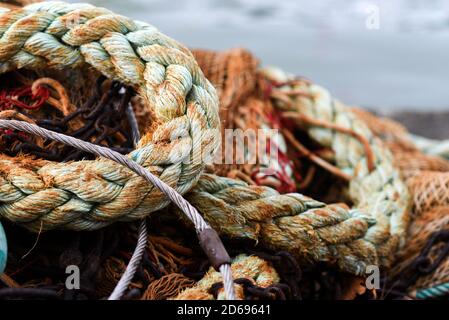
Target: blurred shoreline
<point>433,125</point>
<point>401,66</point>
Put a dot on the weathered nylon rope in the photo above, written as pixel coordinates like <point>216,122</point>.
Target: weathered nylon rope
<point>351,238</point>
<point>187,208</point>
<point>3,249</point>
<point>369,233</point>
<point>433,292</point>
<point>380,193</point>
<point>88,195</point>
<point>311,230</point>
<point>253,268</point>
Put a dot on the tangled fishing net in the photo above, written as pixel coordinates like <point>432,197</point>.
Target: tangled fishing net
<point>330,192</point>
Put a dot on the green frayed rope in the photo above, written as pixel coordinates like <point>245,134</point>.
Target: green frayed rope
<point>92,194</point>
<point>3,249</point>
<point>433,292</point>
<point>369,233</point>
<point>88,195</point>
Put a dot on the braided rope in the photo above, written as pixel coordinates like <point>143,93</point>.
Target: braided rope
<point>190,212</point>
<point>310,230</point>
<point>88,195</point>
<point>431,146</point>
<point>434,292</point>
<point>380,192</point>
<point>91,194</point>
<point>253,268</point>
<point>3,249</point>
<point>369,233</point>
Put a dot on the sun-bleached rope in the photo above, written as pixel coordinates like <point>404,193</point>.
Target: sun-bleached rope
<point>164,73</point>
<point>104,152</point>
<point>252,268</point>
<point>191,213</point>
<point>378,191</point>
<point>352,238</point>
<point>367,234</point>
<point>310,230</point>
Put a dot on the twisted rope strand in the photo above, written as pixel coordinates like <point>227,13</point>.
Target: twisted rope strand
<point>324,124</point>
<point>310,230</point>
<point>181,203</point>
<point>168,78</point>
<point>433,292</point>
<point>379,192</point>
<point>87,195</point>
<point>369,233</point>
<point>431,146</point>
<point>100,151</point>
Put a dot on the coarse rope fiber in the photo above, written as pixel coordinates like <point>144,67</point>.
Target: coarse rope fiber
<point>165,74</point>
<point>253,268</point>
<point>91,194</point>
<point>87,195</point>
<point>431,146</point>
<point>351,238</point>
<point>424,174</point>
<point>379,192</point>
<point>420,163</point>
<point>186,207</point>
<point>421,269</point>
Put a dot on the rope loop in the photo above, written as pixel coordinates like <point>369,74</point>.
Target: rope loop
<point>165,75</point>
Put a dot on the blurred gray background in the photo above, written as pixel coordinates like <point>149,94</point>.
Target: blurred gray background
<point>388,55</point>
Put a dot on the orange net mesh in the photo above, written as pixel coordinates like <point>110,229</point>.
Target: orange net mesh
<point>427,176</point>
<point>387,129</point>
<point>245,106</point>
<point>411,161</point>
<point>428,180</point>
<point>233,74</point>
<point>429,189</point>
<point>420,231</point>
<point>167,287</point>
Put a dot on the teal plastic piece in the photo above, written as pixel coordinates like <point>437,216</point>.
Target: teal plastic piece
<point>3,249</point>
